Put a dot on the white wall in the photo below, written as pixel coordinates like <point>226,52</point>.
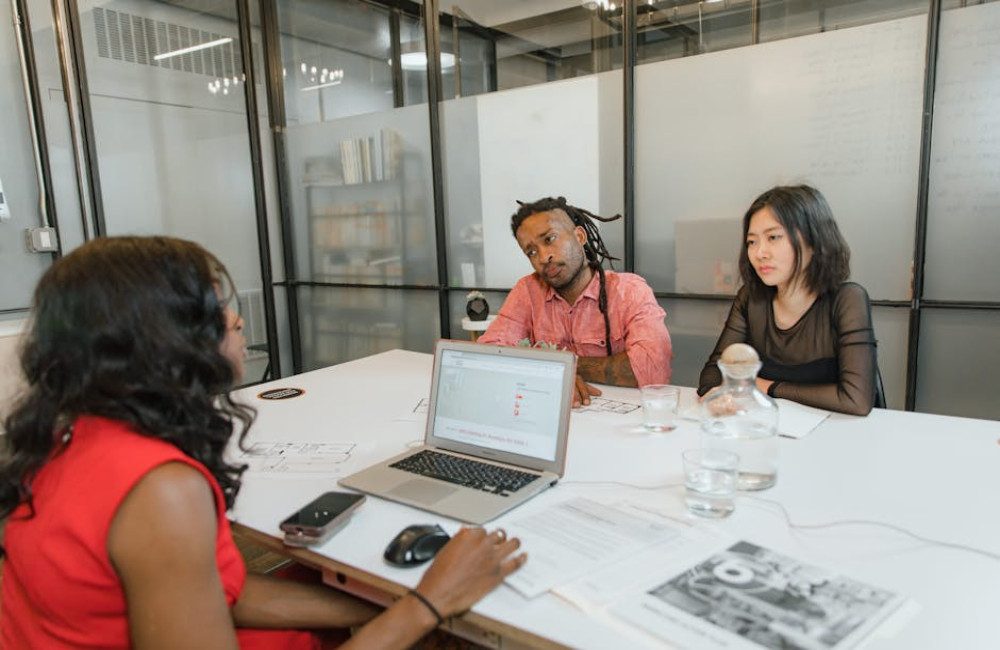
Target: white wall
<point>463,193</point>
<point>534,142</point>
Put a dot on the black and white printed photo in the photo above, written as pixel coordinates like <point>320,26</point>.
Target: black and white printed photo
<point>774,600</point>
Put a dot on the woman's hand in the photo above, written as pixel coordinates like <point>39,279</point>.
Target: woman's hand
<point>710,391</point>
<point>470,566</point>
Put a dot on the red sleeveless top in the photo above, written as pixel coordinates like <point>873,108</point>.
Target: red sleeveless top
<point>59,588</point>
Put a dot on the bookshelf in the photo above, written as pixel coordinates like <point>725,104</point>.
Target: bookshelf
<point>359,241</point>
<point>359,228</point>
<point>356,207</point>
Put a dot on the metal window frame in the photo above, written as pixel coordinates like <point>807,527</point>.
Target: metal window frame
<point>26,52</point>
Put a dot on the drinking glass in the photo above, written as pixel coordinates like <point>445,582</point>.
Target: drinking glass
<point>659,407</point>
<point>710,481</point>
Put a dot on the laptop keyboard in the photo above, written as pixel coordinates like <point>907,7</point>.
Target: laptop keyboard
<point>466,472</point>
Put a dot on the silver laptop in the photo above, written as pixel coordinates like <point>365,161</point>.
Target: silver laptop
<point>497,425</point>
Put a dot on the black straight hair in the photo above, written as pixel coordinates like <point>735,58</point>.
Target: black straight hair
<point>807,218</point>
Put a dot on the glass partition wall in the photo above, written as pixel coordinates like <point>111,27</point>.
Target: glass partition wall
<point>729,98</point>
<point>534,111</point>
<point>159,88</point>
<point>22,195</point>
<point>358,163</point>
<point>958,337</point>
<point>358,129</point>
<point>828,96</point>
<point>388,177</point>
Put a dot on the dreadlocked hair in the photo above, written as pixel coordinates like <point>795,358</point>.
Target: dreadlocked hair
<point>594,249</point>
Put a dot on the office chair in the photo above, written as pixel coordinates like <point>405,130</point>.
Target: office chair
<point>879,389</point>
<point>263,347</point>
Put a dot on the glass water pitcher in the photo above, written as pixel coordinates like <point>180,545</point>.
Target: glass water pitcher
<point>740,418</point>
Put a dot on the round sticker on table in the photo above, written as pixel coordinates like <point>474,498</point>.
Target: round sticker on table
<point>281,393</point>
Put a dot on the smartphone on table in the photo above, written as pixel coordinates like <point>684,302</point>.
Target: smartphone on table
<point>320,518</point>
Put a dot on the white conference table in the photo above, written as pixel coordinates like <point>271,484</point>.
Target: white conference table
<point>935,476</point>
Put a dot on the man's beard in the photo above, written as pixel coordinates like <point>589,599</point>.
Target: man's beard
<point>569,281</point>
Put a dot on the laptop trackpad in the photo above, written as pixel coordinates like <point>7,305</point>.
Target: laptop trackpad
<point>421,491</point>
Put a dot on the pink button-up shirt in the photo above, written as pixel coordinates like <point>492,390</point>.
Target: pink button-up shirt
<point>534,311</point>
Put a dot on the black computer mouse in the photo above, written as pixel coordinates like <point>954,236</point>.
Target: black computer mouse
<point>415,544</point>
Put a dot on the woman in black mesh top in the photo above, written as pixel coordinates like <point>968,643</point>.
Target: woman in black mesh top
<point>811,328</point>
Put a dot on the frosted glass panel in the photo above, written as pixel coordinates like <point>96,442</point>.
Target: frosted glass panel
<point>694,327</point>
<point>526,144</point>
<point>892,327</point>
<point>958,363</point>
<point>343,324</point>
<point>19,269</point>
<point>840,110</point>
<point>361,199</point>
<point>463,193</point>
<point>173,151</point>
<point>281,311</point>
<point>963,220</point>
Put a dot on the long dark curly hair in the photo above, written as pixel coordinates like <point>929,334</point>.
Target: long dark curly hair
<point>127,328</point>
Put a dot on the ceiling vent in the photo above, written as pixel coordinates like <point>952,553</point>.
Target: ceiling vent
<point>135,39</point>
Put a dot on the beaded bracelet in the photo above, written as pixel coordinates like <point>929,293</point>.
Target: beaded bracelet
<point>426,602</point>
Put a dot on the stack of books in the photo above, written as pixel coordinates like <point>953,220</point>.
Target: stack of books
<point>371,159</point>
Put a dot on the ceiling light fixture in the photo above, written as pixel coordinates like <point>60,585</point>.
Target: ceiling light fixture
<point>327,78</point>
<point>418,60</point>
<point>414,57</point>
<point>318,86</point>
<point>193,48</point>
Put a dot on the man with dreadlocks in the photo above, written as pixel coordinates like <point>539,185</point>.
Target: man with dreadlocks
<point>610,320</point>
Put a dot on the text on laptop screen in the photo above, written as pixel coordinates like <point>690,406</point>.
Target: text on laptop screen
<point>504,403</point>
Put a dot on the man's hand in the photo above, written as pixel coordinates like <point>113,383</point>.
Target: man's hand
<point>582,392</point>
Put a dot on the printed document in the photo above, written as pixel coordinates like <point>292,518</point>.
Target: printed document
<point>296,457</point>
<point>796,420</point>
<point>576,537</point>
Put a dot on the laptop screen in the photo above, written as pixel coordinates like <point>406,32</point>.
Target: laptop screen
<point>505,403</point>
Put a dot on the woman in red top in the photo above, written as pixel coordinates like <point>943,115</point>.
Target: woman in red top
<point>113,484</point>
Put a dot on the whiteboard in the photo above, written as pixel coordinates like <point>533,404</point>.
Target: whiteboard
<point>534,142</point>
<point>963,210</point>
<point>839,110</point>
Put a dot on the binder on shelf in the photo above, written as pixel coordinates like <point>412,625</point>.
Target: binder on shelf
<point>346,162</point>
<point>392,149</point>
<point>364,145</point>
<point>371,159</point>
<point>377,157</point>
